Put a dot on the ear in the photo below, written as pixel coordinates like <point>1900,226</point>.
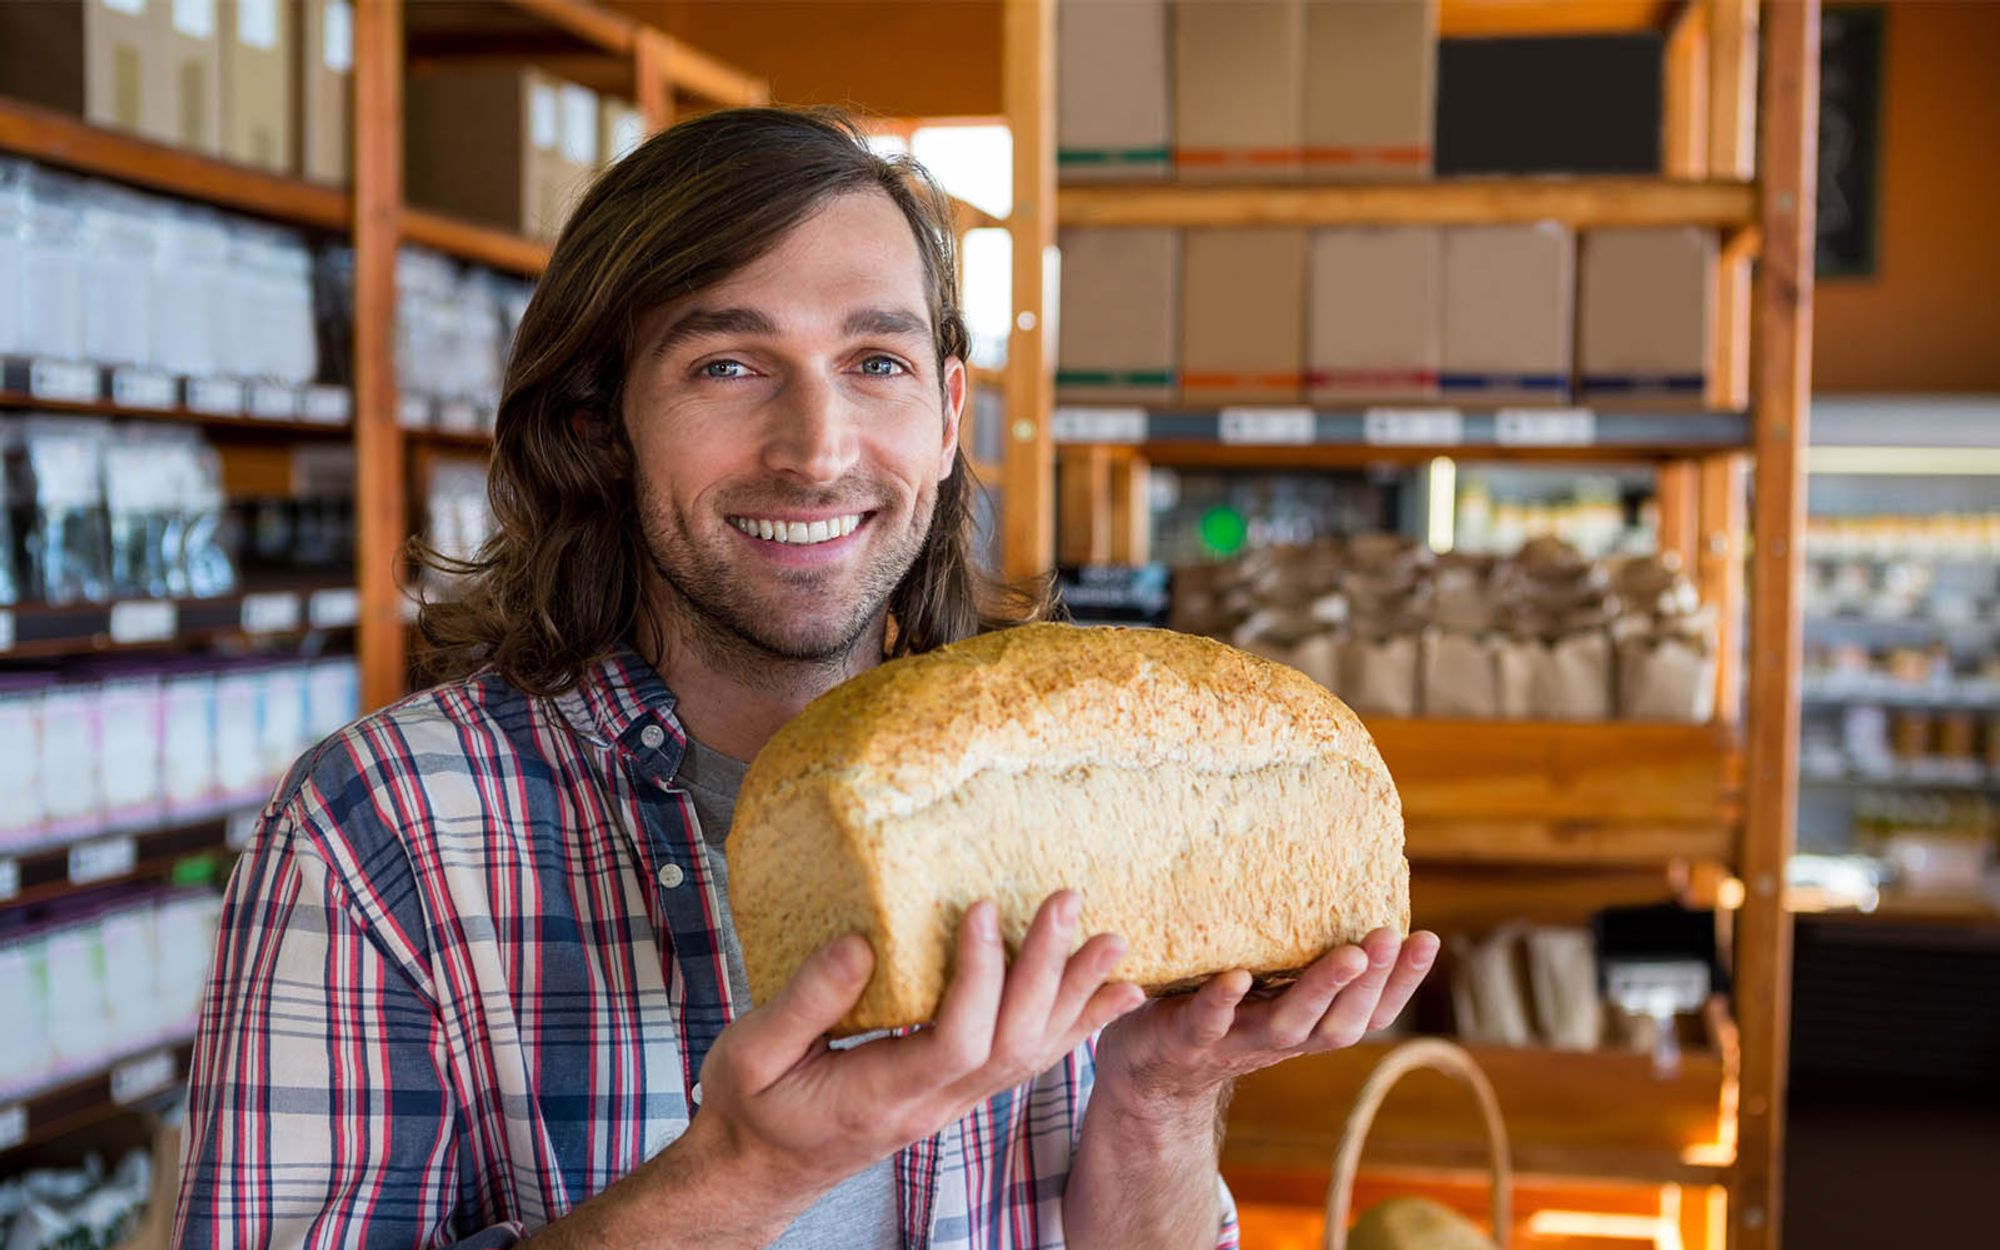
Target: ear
<point>954,413</point>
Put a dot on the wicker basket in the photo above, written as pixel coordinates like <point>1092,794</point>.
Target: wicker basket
<point>1439,1056</point>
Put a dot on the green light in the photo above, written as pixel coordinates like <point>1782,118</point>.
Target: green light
<point>1223,531</point>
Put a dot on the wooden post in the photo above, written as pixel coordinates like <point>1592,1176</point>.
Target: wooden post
<point>1028,94</point>
<point>1783,381</point>
<point>652,85</point>
<point>1732,96</point>
<point>1083,522</point>
<point>1131,512</point>
<point>1675,487</point>
<point>1684,110</point>
<point>381,517</point>
<point>1718,566</point>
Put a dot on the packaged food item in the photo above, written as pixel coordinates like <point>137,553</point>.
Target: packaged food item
<point>191,749</point>
<point>72,759</point>
<point>21,805</point>
<point>55,478</point>
<point>131,736</point>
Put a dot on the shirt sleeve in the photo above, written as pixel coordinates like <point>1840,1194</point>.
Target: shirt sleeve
<point>319,1113</point>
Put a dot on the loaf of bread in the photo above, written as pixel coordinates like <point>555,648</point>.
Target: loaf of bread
<point>1216,809</point>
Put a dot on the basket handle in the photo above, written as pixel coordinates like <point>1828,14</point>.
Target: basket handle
<point>1439,1056</point>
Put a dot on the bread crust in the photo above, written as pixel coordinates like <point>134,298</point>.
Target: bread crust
<point>1215,808</point>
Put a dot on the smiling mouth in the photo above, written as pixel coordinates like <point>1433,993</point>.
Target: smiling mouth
<point>800,533</point>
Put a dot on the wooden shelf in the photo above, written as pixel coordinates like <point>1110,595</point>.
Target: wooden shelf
<point>966,215</point>
<point>148,395</point>
<point>44,135</point>
<point>452,440</point>
<point>1577,202</point>
<point>1468,18</point>
<point>96,1095</point>
<point>38,876</point>
<point>1598,1114</point>
<point>482,245</point>
<point>43,631</point>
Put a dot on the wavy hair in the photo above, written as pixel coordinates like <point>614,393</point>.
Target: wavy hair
<point>559,583</point>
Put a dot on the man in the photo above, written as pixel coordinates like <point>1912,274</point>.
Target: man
<point>476,980</point>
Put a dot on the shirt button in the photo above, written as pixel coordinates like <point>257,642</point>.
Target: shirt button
<point>652,736</point>
<point>671,875</point>
<point>697,1093</point>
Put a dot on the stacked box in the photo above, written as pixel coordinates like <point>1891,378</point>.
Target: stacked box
<point>1507,313</point>
<point>1374,331</point>
<point>323,108</point>
<point>1113,111</point>
<point>186,105</point>
<point>1370,88</point>
<point>258,51</point>
<point>1118,330</point>
<point>1243,315</point>
<point>1239,88</point>
<point>503,146</point>
<point>620,128</point>
<point>1646,312</point>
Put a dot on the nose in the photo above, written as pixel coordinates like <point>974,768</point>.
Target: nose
<point>811,436</point>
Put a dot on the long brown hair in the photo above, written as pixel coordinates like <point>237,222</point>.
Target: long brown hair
<point>559,584</point>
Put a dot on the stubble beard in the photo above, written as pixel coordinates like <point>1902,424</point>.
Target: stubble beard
<point>765,627</point>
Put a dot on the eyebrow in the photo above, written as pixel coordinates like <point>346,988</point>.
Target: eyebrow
<point>708,322</point>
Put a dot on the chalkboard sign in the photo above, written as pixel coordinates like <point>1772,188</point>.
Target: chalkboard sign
<point>1850,133</point>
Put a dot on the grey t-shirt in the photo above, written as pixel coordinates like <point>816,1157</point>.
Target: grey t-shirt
<point>861,1213</point>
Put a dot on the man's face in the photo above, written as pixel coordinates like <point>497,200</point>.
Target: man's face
<point>791,431</point>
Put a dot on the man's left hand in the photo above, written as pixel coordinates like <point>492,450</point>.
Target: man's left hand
<point>1179,1052</point>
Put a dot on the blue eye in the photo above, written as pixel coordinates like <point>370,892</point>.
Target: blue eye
<point>721,368</point>
<point>890,366</point>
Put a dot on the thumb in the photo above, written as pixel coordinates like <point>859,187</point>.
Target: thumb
<point>773,1038</point>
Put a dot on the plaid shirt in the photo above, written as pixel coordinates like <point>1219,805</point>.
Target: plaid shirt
<point>467,972</point>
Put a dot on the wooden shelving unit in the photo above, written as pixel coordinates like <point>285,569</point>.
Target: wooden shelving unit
<point>1508,819</point>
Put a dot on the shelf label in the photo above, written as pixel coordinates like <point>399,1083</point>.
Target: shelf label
<point>102,859</point>
<point>273,401</point>
<point>1098,425</point>
<point>13,1125</point>
<point>6,630</point>
<point>142,388</point>
<point>328,405</point>
<point>1267,427</point>
<point>144,620</point>
<point>271,613</point>
<point>241,827</point>
<point>146,1075</point>
<point>1545,427</point>
<point>10,878</point>
<point>1412,427</point>
<point>68,381</point>
<point>333,608</point>
<point>413,412</point>
<point>218,397</point>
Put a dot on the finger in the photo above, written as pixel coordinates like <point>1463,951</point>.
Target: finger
<point>1290,1020</point>
<point>964,1034</point>
<point>1102,1007</point>
<point>1083,976</point>
<point>1347,1020</point>
<point>1419,953</point>
<point>1210,1013</point>
<point>1033,981</point>
<point>771,1039</point>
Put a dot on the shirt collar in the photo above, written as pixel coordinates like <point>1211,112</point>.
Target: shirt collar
<point>620,697</point>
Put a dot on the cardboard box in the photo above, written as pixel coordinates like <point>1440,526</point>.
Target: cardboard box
<point>1243,315</point>
<point>186,103</point>
<point>1239,88</point>
<point>1113,107</point>
<point>1508,293</point>
<point>1370,89</point>
<point>1118,330</point>
<point>1646,314</point>
<point>323,108</point>
<point>1373,319</point>
<point>92,60</point>
<point>258,48</point>
<point>498,146</point>
<point>620,128</point>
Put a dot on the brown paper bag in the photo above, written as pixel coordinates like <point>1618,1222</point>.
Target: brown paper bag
<point>1378,676</point>
<point>1515,661</point>
<point>1461,674</point>
<point>1572,678</point>
<point>1663,677</point>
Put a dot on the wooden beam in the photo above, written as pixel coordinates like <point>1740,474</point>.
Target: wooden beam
<point>601,28</point>
<point>1724,203</point>
<point>1675,487</point>
<point>1083,515</point>
<point>1788,143</point>
<point>381,519</point>
<point>652,79</point>
<point>1028,523</point>
<point>1732,153</point>
<point>1131,510</point>
<point>1471,18</point>
<point>1722,511</point>
<point>1684,105</point>
<point>483,245</point>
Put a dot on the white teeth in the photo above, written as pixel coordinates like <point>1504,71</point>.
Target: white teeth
<point>802,532</point>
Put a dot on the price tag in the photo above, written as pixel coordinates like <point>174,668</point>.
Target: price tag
<point>273,401</point>
<point>6,630</point>
<point>328,405</point>
<point>1545,427</point>
<point>137,1078</point>
<point>333,608</point>
<point>1412,427</point>
<point>10,878</point>
<point>241,828</point>
<point>271,613</point>
<point>218,397</point>
<point>413,412</point>
<point>1267,427</point>
<point>142,388</point>
<point>102,859</point>
<point>64,380</point>
<point>13,1125</point>
<point>144,620</point>
<point>1098,425</point>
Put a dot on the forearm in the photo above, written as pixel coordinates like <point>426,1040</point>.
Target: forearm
<point>1144,1173</point>
<point>700,1193</point>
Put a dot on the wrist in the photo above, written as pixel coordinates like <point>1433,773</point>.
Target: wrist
<point>1154,1102</point>
<point>749,1193</point>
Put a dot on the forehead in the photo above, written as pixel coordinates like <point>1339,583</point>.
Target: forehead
<point>857,250</point>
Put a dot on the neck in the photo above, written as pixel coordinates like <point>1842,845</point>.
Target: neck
<point>732,695</point>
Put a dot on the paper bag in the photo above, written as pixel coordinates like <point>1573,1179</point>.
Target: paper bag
<point>1461,674</point>
<point>1379,675</point>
